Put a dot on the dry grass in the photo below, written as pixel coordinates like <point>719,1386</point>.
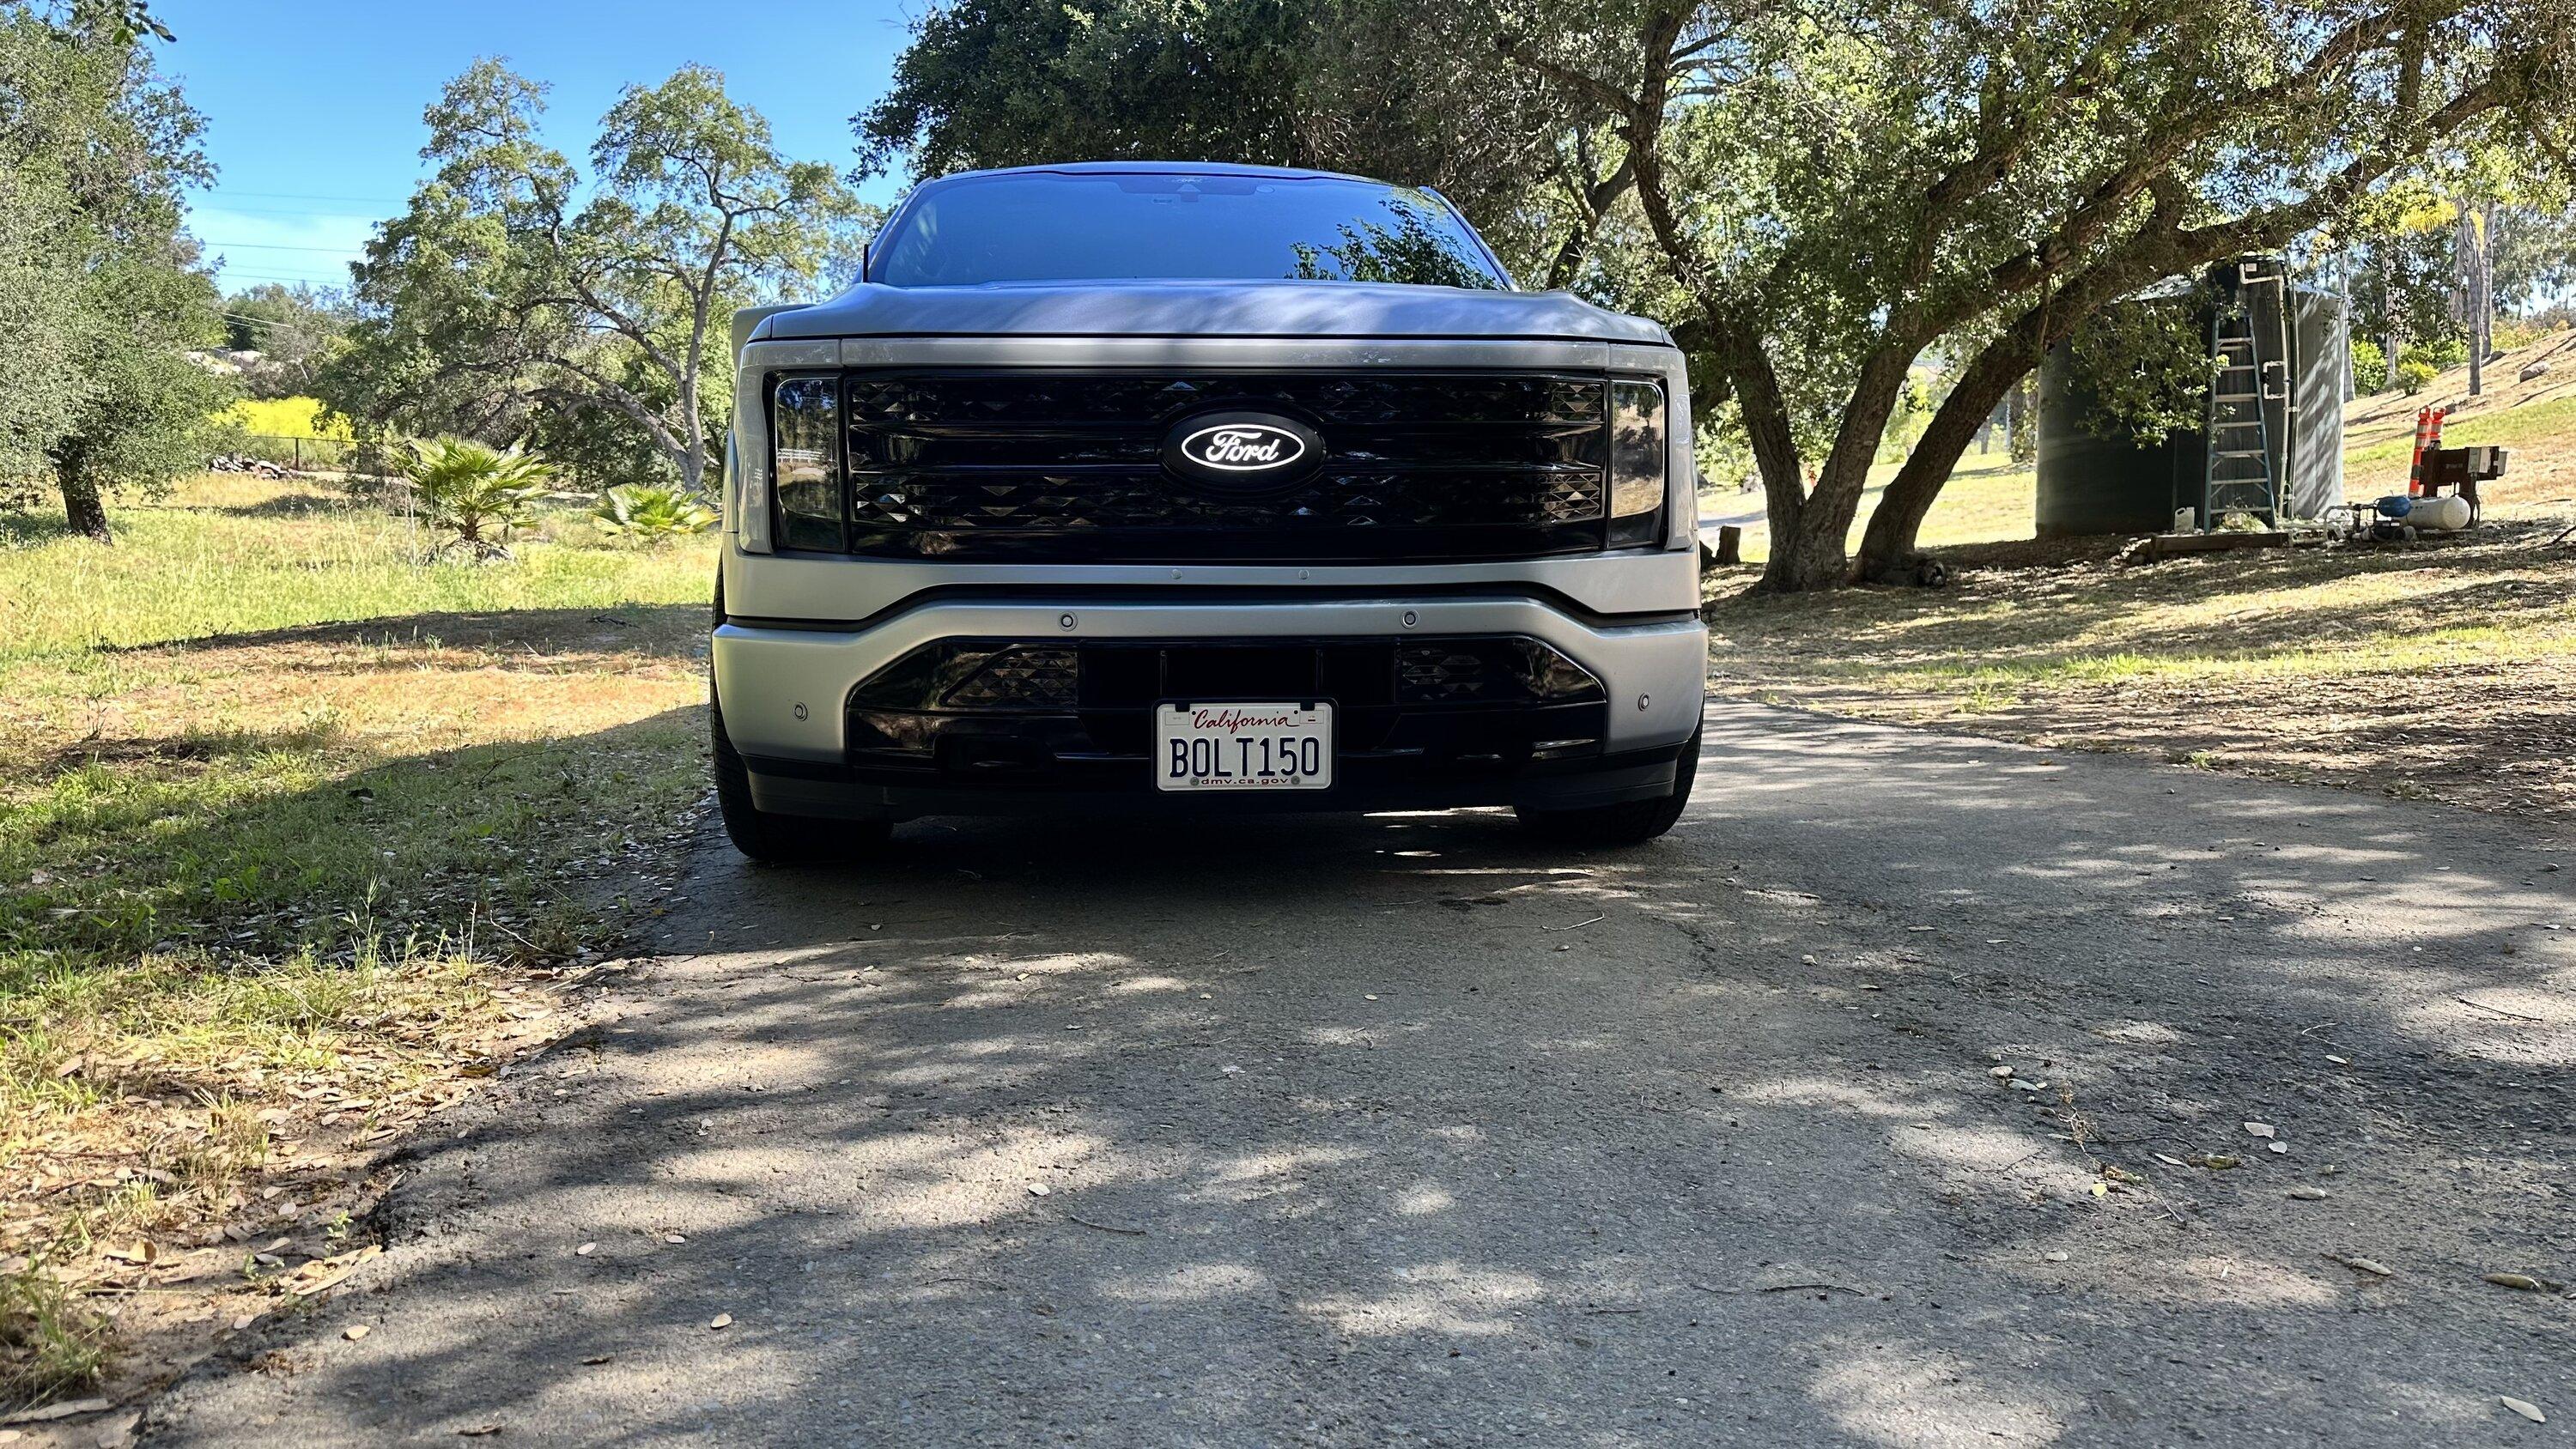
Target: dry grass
<point>293,831</point>
<point>1990,497</point>
<point>2446,669</point>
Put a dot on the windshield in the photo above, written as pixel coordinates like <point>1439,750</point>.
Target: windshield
<point>1074,226</point>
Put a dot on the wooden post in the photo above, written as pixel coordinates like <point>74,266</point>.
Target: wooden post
<point>1730,544</point>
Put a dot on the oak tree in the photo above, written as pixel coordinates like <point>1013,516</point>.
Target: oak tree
<point>514,282</point>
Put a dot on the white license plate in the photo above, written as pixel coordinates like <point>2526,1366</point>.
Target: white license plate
<point>1244,746</point>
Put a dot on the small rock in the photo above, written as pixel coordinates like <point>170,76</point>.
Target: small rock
<point>2523,1281</point>
<point>2262,1129</point>
<point>2309,1194</point>
<point>2055,1255</point>
<point>721,1320</point>
<point>2525,1408</point>
<point>1999,1073</point>
<point>355,1331</point>
<point>2276,1146</point>
<point>1039,1189</point>
<point>2372,1266</point>
<point>2529,371</point>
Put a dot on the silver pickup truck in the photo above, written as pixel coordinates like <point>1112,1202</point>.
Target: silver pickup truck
<point>1209,488</point>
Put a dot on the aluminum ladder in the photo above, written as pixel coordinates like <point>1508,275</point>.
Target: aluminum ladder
<point>2237,476</point>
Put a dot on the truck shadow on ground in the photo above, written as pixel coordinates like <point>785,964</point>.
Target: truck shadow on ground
<point>1410,1130</point>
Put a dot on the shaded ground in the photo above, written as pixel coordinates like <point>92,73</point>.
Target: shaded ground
<point>1399,1130</point>
<point>2445,670</point>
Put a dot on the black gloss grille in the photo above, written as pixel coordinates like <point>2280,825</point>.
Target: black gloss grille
<point>1046,465</point>
<point>1076,503</point>
<point>1022,678</point>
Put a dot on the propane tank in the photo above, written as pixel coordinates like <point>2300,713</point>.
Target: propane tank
<point>2437,513</point>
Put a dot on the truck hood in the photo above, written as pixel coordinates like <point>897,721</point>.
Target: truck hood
<point>1208,309</point>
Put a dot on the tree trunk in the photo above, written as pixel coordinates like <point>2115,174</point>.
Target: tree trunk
<point>84,508</point>
<point>2472,267</point>
<point>2482,302</point>
<point>1992,378</point>
<point>2389,332</point>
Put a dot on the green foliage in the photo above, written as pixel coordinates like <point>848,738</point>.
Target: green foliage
<point>1412,93</point>
<point>2147,367</point>
<point>2369,366</point>
<point>2414,374</point>
<point>295,330</point>
<point>100,292</point>
<point>1832,194</point>
<point>2438,353</point>
<point>650,515</point>
<point>1906,421</point>
<point>476,493</point>
<point>51,1344</point>
<point>514,287</point>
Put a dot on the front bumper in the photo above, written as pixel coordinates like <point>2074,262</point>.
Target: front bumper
<point>786,695</point>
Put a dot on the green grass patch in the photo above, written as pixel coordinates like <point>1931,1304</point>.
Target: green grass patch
<point>52,1344</point>
<point>2535,423</point>
<point>246,556</point>
<point>282,804</point>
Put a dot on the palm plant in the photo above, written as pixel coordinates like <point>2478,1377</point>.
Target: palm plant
<point>648,513</point>
<point>477,494</point>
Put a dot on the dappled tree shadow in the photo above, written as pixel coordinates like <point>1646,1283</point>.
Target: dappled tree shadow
<point>671,630</point>
<point>1406,1130</point>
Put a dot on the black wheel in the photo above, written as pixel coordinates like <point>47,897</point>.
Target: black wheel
<point>765,835</point>
<point>1631,822</point>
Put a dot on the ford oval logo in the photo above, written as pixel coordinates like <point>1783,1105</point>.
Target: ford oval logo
<point>1241,450</point>
<point>1243,447</point>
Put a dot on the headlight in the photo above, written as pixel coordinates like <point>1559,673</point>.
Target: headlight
<point>1636,463</point>
<point>805,459</point>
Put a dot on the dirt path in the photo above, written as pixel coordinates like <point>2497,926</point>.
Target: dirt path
<point>1400,1131</point>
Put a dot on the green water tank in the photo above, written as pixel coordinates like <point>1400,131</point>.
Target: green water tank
<point>2096,478</point>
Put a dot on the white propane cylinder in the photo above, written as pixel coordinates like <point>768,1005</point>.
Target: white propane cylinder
<point>2445,513</point>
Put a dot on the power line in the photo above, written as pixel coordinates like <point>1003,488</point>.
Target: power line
<point>284,247</point>
<point>303,196</point>
<point>372,214</point>
<point>231,275</point>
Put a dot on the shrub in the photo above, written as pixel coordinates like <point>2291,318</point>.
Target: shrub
<point>2414,374</point>
<point>476,493</point>
<point>646,513</point>
<point>2438,354</point>
<point>285,417</point>
<point>2369,366</point>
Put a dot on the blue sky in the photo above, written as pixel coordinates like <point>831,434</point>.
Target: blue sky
<point>313,109</point>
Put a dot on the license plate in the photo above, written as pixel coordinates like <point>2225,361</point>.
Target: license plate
<point>1244,746</point>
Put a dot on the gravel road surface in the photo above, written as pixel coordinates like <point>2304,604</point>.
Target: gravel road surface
<point>1402,1130</point>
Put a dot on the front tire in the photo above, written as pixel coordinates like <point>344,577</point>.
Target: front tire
<point>1631,822</point>
<point>777,839</point>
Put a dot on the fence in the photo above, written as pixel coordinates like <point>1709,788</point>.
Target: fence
<point>299,454</point>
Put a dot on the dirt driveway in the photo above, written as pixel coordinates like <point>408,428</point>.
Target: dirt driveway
<point>1400,1131</point>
